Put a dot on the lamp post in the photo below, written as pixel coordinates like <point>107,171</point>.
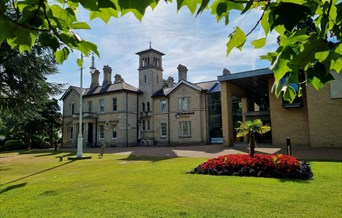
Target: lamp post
<point>80,136</point>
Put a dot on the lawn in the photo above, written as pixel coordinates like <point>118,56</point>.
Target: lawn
<point>37,184</point>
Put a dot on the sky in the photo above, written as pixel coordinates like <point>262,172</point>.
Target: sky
<point>199,43</point>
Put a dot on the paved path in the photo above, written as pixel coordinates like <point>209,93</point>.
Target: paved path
<point>210,151</point>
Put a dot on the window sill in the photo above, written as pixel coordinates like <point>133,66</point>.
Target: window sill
<point>185,136</point>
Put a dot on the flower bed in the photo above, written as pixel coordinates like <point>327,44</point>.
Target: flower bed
<point>261,165</point>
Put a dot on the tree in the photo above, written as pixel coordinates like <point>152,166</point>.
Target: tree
<point>250,128</point>
<point>35,131</point>
<point>24,89</point>
<point>52,119</point>
<point>22,22</point>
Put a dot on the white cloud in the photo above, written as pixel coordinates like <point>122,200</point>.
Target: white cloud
<point>196,42</point>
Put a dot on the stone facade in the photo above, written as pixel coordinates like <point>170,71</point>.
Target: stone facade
<point>156,113</point>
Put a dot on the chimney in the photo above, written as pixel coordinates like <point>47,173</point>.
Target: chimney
<point>182,72</point>
<point>225,71</point>
<point>170,81</point>
<point>107,74</point>
<point>118,79</point>
<point>94,79</point>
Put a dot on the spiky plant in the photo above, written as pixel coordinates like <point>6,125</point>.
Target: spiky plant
<point>250,128</point>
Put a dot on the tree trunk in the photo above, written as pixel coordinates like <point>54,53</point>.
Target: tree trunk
<point>251,144</point>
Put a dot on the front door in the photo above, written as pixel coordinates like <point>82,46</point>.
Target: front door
<point>90,134</point>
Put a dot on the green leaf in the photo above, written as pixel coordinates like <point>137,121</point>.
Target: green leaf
<point>337,65</point>
<point>79,62</point>
<point>237,40</point>
<point>321,56</point>
<point>86,47</point>
<point>289,94</point>
<point>138,8</point>
<point>104,14</point>
<point>277,88</point>
<point>288,15</point>
<point>48,40</point>
<point>67,15</point>
<point>203,6</point>
<point>80,25</point>
<point>25,39</point>
<point>89,5</point>
<point>280,65</point>
<point>62,54</point>
<point>248,6</point>
<point>317,76</point>
<point>297,36</point>
<point>311,47</point>
<point>264,22</point>
<point>7,30</point>
<point>190,4</point>
<point>258,43</point>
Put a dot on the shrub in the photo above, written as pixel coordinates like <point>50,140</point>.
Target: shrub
<point>14,145</point>
<point>261,165</point>
<point>40,143</point>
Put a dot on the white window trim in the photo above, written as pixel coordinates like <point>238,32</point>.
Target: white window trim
<point>161,130</point>
<point>100,132</point>
<point>180,101</point>
<point>181,133</point>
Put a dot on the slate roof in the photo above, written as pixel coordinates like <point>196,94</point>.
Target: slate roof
<point>123,86</point>
<point>202,86</point>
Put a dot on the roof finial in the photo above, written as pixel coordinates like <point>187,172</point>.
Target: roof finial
<point>150,42</point>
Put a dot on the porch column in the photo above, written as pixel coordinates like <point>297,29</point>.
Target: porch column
<point>227,115</point>
<point>85,134</point>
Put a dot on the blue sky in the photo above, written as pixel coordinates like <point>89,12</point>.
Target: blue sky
<point>196,42</point>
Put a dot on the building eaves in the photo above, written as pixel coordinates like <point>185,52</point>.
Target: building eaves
<point>187,83</point>
<point>246,74</point>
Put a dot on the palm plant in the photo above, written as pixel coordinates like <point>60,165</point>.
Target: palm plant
<point>250,128</point>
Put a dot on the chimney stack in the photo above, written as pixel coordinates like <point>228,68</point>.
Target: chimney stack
<point>94,79</point>
<point>170,81</point>
<point>118,79</point>
<point>182,72</point>
<point>107,74</point>
<point>225,71</point>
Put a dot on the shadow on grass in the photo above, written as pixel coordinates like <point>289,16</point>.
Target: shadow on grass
<point>46,152</point>
<point>133,157</point>
<point>9,188</point>
<point>37,173</point>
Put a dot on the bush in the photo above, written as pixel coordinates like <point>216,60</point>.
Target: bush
<point>40,143</point>
<point>261,165</point>
<point>14,145</point>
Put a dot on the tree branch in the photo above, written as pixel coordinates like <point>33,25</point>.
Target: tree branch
<point>24,26</point>
<point>257,24</point>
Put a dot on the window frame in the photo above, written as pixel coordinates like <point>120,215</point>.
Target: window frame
<point>115,104</point>
<point>90,106</point>
<point>163,109</point>
<point>114,130</point>
<point>102,107</point>
<point>101,131</point>
<point>71,132</point>
<point>181,101</point>
<point>162,130</point>
<point>182,125</point>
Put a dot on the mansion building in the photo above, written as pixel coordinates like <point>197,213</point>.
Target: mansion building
<point>165,112</point>
<point>160,112</point>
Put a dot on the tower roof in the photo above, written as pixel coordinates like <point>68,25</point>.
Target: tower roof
<point>150,50</point>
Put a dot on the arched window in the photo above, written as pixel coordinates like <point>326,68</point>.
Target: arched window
<point>143,106</point>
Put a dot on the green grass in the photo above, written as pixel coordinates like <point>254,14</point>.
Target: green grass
<point>39,185</point>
